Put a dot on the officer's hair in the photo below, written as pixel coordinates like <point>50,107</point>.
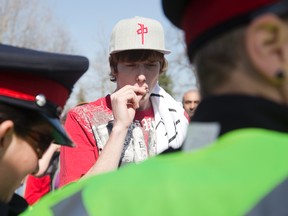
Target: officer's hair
<point>24,119</point>
<point>218,58</point>
<point>136,56</point>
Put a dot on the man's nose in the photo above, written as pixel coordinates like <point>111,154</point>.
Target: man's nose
<point>192,106</point>
<point>141,77</point>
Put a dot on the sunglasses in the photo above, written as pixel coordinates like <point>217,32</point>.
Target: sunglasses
<point>37,140</point>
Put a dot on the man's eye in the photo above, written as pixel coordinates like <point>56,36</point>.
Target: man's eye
<point>151,64</point>
<point>130,65</point>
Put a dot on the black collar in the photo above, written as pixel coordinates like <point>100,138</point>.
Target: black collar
<point>241,111</point>
<point>17,205</point>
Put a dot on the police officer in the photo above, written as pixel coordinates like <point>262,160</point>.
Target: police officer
<point>34,87</point>
<point>240,50</point>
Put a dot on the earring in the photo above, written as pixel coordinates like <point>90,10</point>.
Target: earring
<point>280,74</point>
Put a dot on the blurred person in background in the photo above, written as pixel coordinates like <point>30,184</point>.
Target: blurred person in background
<point>46,179</point>
<point>190,100</point>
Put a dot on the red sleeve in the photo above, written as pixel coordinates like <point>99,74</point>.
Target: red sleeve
<point>187,116</point>
<point>36,188</point>
<point>75,162</point>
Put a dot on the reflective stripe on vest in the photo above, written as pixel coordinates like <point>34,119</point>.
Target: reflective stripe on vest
<point>275,203</point>
<point>72,206</point>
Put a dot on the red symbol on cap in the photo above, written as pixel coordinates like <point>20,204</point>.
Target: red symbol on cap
<point>142,30</point>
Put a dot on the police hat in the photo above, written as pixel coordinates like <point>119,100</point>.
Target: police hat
<point>203,20</point>
<point>40,81</point>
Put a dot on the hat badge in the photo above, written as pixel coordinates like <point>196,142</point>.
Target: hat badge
<point>142,30</point>
<point>40,100</point>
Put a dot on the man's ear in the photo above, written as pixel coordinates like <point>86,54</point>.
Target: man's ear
<point>5,128</point>
<point>266,41</point>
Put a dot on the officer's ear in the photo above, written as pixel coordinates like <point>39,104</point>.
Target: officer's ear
<point>5,128</point>
<point>267,45</point>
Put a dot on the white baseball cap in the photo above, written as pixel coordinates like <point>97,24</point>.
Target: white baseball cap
<point>138,33</point>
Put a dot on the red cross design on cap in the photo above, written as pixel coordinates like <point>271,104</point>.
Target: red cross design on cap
<point>142,30</point>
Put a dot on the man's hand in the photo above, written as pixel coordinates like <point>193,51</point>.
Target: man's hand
<point>124,102</point>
